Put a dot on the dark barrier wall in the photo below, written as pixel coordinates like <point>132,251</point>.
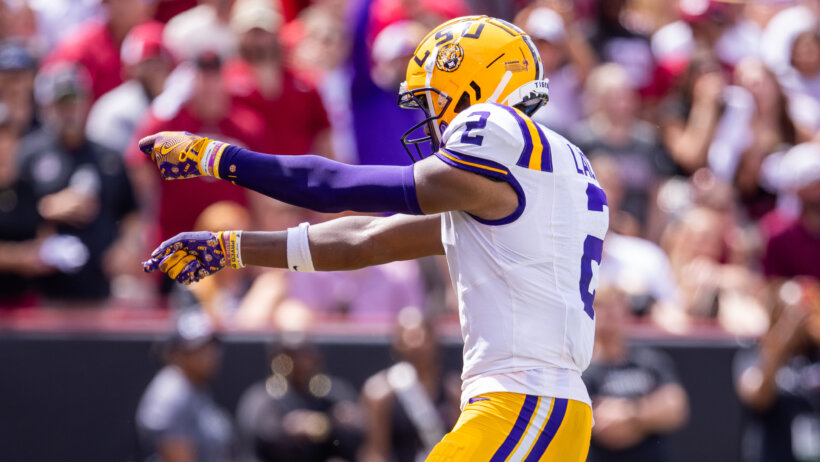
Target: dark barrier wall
<point>72,398</point>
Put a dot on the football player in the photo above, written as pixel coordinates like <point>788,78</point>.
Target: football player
<point>514,206</point>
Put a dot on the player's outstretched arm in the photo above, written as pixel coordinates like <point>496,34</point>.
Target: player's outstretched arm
<point>323,185</point>
<point>341,244</point>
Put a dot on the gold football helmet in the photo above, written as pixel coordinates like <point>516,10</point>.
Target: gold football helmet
<point>469,60</point>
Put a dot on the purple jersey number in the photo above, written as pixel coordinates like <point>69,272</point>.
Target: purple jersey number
<point>471,125</point>
<point>593,247</point>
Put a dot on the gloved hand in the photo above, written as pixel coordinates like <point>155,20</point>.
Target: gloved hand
<point>181,155</point>
<point>189,257</point>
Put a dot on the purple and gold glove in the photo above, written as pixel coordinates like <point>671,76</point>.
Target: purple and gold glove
<point>189,257</point>
<point>181,155</point>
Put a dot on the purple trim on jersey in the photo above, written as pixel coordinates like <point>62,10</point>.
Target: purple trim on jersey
<point>559,409</point>
<point>546,152</point>
<point>498,171</point>
<point>526,153</point>
<point>321,184</point>
<point>517,431</point>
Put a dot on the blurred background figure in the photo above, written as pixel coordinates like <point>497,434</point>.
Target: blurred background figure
<point>567,58</point>
<point>614,128</point>
<point>319,44</point>
<point>636,395</point>
<point>292,111</point>
<point>299,412</point>
<point>19,221</point>
<point>411,405</point>
<point>201,29</point>
<point>81,189</point>
<point>689,116</point>
<point>618,40</point>
<point>177,419</point>
<point>146,64</point>
<point>803,77</point>
<point>17,71</point>
<point>221,294</point>
<point>199,103</point>
<point>794,239</point>
<point>95,45</point>
<point>778,381</point>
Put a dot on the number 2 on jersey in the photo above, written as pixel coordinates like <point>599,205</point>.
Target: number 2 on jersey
<point>593,248</point>
<point>471,125</point>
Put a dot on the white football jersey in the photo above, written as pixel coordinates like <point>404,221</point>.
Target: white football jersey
<point>525,283</point>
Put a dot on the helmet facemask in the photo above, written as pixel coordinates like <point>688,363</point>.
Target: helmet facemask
<point>420,99</point>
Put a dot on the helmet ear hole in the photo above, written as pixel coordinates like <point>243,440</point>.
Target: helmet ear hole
<point>463,103</point>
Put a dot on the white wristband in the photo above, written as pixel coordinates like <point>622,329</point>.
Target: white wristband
<point>299,258</point>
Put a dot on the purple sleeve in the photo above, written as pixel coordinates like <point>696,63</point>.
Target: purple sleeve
<point>321,184</point>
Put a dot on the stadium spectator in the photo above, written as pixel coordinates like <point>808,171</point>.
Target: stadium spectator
<point>804,73</point>
<point>719,26</point>
<point>203,28</point>
<point>567,58</point>
<point>220,296</point>
<point>781,30</point>
<point>794,247</point>
<point>320,44</point>
<point>294,117</point>
<point>636,395</point>
<point>82,189</point>
<point>177,419</point>
<point>146,63</point>
<point>196,102</point>
<point>95,44</point>
<point>756,123</point>
<point>410,405</point>
<point>690,114</point>
<point>614,129</point>
<point>17,71</point>
<point>778,384</point>
<point>19,247</point>
<point>715,279</point>
<point>299,412</point>
<point>617,41</point>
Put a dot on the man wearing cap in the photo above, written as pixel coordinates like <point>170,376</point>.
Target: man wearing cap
<point>82,189</point>
<point>17,69</point>
<point>207,108</point>
<point>96,45</point>
<point>147,63</point>
<point>293,113</point>
<point>177,419</point>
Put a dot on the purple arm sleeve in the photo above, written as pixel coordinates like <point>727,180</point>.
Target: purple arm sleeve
<point>321,184</point>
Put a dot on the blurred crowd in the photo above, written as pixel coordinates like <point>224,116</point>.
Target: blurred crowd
<point>701,119</point>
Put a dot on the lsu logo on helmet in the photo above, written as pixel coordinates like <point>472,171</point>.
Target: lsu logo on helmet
<point>450,57</point>
<point>465,61</point>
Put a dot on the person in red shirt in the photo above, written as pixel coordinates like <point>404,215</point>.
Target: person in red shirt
<point>207,109</point>
<point>295,119</point>
<point>96,45</point>
<point>793,249</point>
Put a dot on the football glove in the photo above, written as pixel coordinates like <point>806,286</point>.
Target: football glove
<point>189,257</point>
<point>181,155</point>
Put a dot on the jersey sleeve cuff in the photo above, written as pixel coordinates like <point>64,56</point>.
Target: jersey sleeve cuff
<point>490,169</point>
